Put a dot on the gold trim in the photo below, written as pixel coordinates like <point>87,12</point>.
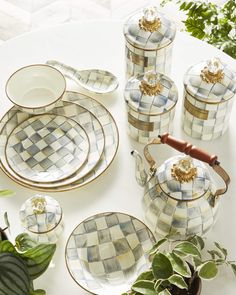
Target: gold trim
<point>43,106</point>
<point>141,125</point>
<point>149,26</point>
<point>102,213</point>
<point>209,77</point>
<point>184,171</point>
<point>146,49</point>
<point>207,193</point>
<point>71,187</point>
<point>28,180</point>
<point>151,115</point>
<point>149,89</point>
<point>195,111</point>
<point>206,101</point>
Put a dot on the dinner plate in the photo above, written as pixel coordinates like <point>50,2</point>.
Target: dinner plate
<point>76,105</point>
<point>106,252</point>
<point>47,148</point>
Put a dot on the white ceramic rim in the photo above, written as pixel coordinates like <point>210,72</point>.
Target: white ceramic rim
<point>41,106</point>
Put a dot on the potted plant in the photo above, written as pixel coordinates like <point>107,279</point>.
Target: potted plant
<point>179,271</point>
<point>22,263</point>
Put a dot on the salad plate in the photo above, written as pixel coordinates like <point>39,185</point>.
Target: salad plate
<point>47,148</point>
<point>106,252</point>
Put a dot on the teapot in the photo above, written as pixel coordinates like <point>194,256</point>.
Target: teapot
<point>180,197</point>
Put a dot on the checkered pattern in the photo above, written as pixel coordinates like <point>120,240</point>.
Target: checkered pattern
<point>185,191</point>
<point>98,81</point>
<point>47,148</point>
<point>75,108</point>
<point>106,252</point>
<point>45,227</point>
<point>165,214</point>
<point>216,100</point>
<point>147,51</point>
<point>157,111</point>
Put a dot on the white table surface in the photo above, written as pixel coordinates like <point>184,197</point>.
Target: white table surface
<point>100,44</point>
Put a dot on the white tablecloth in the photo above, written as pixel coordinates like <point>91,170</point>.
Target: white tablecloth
<point>96,44</point>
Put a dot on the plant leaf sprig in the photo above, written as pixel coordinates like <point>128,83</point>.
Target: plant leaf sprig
<point>22,263</point>
<point>180,266</point>
<point>215,24</point>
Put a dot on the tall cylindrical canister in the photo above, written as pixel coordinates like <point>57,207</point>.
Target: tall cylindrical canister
<point>149,37</point>
<point>209,88</point>
<point>150,100</point>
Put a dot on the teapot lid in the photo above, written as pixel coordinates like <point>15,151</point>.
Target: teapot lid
<point>149,30</point>
<point>40,214</point>
<point>151,93</point>
<point>210,81</point>
<point>184,178</point>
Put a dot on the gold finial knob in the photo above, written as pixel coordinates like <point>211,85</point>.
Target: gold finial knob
<point>184,171</point>
<point>38,203</point>
<point>213,72</point>
<point>150,22</point>
<point>150,85</point>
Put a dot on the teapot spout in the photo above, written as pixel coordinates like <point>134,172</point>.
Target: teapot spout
<point>140,173</point>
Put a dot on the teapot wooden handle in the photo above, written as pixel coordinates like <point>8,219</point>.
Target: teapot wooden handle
<point>189,149</point>
<point>194,152</point>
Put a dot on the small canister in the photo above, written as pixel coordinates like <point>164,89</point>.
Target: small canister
<point>149,37</point>
<point>150,100</point>
<point>41,217</point>
<point>208,99</point>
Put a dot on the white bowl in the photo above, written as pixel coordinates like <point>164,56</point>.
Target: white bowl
<point>36,88</point>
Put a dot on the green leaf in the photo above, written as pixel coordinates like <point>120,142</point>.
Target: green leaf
<point>215,253</point>
<point>196,28</point>
<point>38,292</point>
<point>38,259</point>
<point>161,266</point>
<point>179,265</point>
<point>187,248</point>
<point>201,242</point>
<point>178,281</point>
<point>208,270</point>
<point>14,276</point>
<point>165,292</point>
<point>157,245</point>
<point>197,261</point>
<point>147,276</point>
<point>6,246</point>
<point>233,266</point>
<point>144,287</point>
<point>24,242</point>
<point>223,250</point>
<point>6,193</point>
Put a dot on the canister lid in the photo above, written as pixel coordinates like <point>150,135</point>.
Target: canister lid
<point>149,29</point>
<point>151,93</point>
<point>210,81</point>
<point>184,178</point>
<point>40,214</point>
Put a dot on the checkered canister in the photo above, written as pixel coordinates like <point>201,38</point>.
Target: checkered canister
<point>150,99</point>
<point>208,99</point>
<point>149,37</point>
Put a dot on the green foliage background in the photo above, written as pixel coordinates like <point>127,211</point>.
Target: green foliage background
<point>210,22</point>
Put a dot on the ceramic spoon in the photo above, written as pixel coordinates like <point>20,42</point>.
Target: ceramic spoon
<point>95,80</point>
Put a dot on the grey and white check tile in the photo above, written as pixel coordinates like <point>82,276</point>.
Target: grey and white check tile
<point>76,107</point>
<point>47,148</point>
<point>107,251</point>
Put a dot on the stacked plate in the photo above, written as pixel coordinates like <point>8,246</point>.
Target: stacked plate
<point>62,149</point>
